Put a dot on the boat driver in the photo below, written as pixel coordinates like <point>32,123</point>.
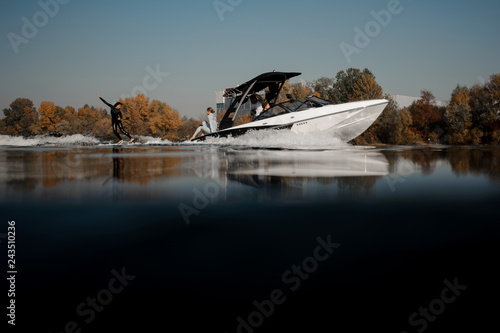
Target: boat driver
<point>256,105</point>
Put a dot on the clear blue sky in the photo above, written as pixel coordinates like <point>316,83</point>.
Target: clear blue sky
<point>85,47</point>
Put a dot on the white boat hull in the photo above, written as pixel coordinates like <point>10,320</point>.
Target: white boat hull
<point>345,121</point>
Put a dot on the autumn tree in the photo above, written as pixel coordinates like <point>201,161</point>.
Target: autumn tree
<point>365,88</point>
<point>472,116</point>
<point>27,123</point>
<point>165,121</point>
<point>406,134</point>
<point>69,122</point>
<point>155,118</point>
<point>188,126</point>
<point>242,119</point>
<point>60,112</point>
<point>485,110</point>
<point>382,130</point>
<point>479,102</point>
<point>390,124</point>
<point>20,118</point>
<point>427,120</point>
<point>324,86</point>
<point>102,126</point>
<point>154,112</point>
<point>49,117</point>
<point>460,95</point>
<point>296,90</point>
<point>491,119</point>
<point>136,114</point>
<point>88,117</point>
<point>493,88</point>
<point>458,118</point>
<point>299,91</point>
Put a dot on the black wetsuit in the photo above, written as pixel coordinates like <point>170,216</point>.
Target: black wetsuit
<point>116,116</point>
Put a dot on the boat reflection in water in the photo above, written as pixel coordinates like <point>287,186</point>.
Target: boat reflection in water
<point>169,174</point>
<point>293,172</point>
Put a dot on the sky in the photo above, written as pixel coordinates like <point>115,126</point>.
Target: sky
<point>182,52</point>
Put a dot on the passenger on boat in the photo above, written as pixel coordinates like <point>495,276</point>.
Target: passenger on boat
<point>256,106</point>
<point>207,127</point>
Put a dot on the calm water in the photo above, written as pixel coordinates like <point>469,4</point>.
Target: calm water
<point>276,233</point>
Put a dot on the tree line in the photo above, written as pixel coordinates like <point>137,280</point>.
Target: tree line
<point>471,117</point>
<point>141,117</point>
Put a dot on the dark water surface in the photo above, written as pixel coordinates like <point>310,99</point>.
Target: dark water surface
<point>225,238</point>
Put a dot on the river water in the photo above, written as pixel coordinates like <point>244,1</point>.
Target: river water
<point>269,232</point>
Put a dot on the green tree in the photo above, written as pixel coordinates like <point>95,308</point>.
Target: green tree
<point>345,82</point>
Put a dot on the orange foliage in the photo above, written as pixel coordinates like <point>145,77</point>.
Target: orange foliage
<point>425,114</point>
<point>460,96</point>
<point>472,117</point>
<point>48,117</point>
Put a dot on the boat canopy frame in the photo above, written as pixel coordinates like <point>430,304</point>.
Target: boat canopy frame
<point>272,80</point>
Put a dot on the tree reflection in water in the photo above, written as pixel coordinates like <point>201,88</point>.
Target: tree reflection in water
<point>84,171</point>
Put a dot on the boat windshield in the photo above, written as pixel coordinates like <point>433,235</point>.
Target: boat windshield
<point>272,112</point>
<point>282,108</point>
<point>316,101</point>
<point>295,105</point>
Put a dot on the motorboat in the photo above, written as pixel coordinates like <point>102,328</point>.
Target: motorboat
<point>345,121</point>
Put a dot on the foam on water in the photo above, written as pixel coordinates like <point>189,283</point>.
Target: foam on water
<point>282,139</point>
<point>149,140</point>
<point>45,140</point>
<point>255,139</point>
